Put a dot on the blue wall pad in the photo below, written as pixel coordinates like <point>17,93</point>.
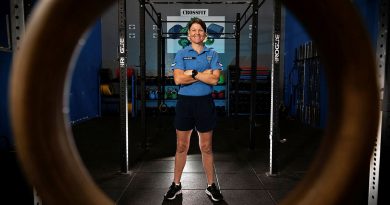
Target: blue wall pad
<point>214,30</point>
<point>84,96</point>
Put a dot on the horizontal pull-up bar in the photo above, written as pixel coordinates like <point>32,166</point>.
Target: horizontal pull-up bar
<point>149,13</point>
<point>198,2</point>
<point>151,16</point>
<point>203,21</point>
<point>154,10</point>
<point>261,4</point>
<point>246,21</point>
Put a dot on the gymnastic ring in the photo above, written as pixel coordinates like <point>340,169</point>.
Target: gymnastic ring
<point>42,133</point>
<point>163,107</point>
<point>341,165</point>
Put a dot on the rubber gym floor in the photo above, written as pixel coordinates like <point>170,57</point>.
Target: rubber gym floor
<point>240,172</point>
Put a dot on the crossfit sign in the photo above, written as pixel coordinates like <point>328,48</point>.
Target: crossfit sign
<point>194,12</point>
<point>276,48</point>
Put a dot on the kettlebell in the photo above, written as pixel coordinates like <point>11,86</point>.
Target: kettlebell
<point>174,94</point>
<point>209,41</point>
<point>221,79</point>
<point>221,94</point>
<point>168,93</point>
<point>214,94</point>
<point>152,94</point>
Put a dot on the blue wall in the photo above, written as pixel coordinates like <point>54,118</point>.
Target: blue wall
<point>296,35</point>
<point>84,93</point>
<point>5,131</point>
<point>84,97</point>
<point>369,11</point>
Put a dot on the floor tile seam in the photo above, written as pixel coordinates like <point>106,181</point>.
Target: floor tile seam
<point>126,187</point>
<point>254,169</point>
<point>138,165</point>
<point>272,198</point>
<point>216,175</point>
<point>246,162</point>
<point>251,171</point>
<point>257,176</point>
<point>246,189</point>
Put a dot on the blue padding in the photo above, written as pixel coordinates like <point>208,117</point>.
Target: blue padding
<point>175,29</point>
<point>84,99</point>
<point>214,30</point>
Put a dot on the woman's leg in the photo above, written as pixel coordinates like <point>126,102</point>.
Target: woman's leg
<point>205,145</point>
<point>182,146</point>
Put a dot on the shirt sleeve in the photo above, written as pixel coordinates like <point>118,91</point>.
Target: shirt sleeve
<point>215,63</point>
<point>178,63</point>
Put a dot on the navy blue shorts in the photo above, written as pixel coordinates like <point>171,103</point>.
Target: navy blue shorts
<point>195,112</point>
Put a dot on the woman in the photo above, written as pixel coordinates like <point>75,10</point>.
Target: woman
<point>196,69</point>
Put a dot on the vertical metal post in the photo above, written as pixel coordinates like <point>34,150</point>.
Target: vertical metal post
<point>17,22</point>
<point>9,46</point>
<point>237,68</point>
<point>305,80</point>
<point>163,64</point>
<point>124,145</point>
<point>384,148</point>
<point>142,53</point>
<point>382,64</point>
<point>159,52</point>
<point>274,119</point>
<point>37,199</point>
<point>164,77</point>
<point>253,75</point>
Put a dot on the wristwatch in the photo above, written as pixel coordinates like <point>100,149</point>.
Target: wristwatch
<point>194,73</point>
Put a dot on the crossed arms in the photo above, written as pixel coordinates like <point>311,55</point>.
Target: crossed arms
<point>208,76</point>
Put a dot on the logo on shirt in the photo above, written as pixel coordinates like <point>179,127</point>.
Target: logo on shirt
<point>209,58</point>
<point>189,58</point>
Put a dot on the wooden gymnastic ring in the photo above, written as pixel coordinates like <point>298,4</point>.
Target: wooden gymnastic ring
<point>341,166</point>
<point>42,133</point>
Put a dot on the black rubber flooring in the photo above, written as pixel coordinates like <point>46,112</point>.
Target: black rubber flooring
<point>241,173</point>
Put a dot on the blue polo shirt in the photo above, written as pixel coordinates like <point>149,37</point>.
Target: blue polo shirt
<point>189,59</point>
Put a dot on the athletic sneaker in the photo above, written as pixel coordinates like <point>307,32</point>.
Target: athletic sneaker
<point>173,191</point>
<point>214,192</point>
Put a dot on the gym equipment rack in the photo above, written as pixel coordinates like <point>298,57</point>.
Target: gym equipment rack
<point>240,22</point>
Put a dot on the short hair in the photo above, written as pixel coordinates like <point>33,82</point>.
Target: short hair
<point>198,21</point>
